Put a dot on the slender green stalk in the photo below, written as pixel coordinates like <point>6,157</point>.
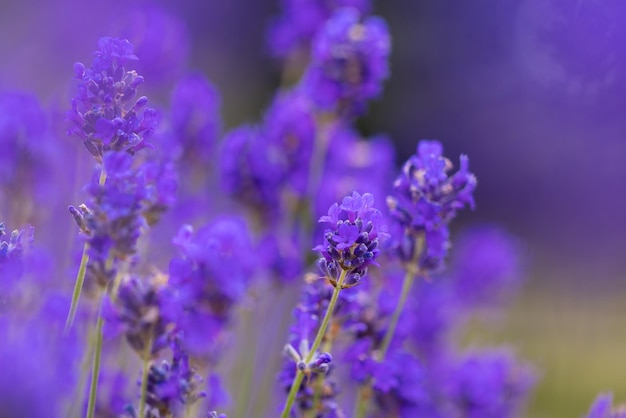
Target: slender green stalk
<point>251,335</point>
<point>95,371</point>
<point>407,283</point>
<point>363,401</point>
<point>79,397</point>
<point>412,271</point>
<point>317,396</point>
<point>297,381</point>
<point>82,269</point>
<point>144,378</point>
<point>78,287</point>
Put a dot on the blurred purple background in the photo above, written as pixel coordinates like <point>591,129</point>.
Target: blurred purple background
<point>534,91</point>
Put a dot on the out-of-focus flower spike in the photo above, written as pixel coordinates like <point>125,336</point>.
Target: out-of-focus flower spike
<point>349,62</point>
<point>424,201</point>
<point>100,114</point>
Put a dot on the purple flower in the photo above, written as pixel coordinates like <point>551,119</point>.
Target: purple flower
<point>38,364</point>
<point>102,114</point>
<point>425,180</point>
<point>400,383</point>
<point>260,164</point>
<point>112,220</point>
<point>207,281</point>
<point>171,385</point>
<point>245,172</point>
<point>487,268</point>
<point>161,39</point>
<point>602,408</point>
<point>137,310</point>
<point>289,133</point>
<point>425,199</point>
<point>489,384</point>
<point>162,184</point>
<point>195,119</point>
<point>353,162</point>
<point>349,62</point>
<point>300,21</point>
<point>352,241</point>
<point>19,242</point>
<point>26,159</point>
<point>15,263</point>
<point>130,200</point>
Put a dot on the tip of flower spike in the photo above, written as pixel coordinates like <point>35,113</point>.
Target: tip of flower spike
<point>118,48</point>
<point>79,70</point>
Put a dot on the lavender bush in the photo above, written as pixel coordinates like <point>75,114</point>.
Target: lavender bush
<point>170,294</point>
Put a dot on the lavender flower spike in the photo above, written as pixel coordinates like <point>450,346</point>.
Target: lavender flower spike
<point>349,62</point>
<point>102,114</point>
<point>602,408</point>
<point>426,198</point>
<point>352,241</point>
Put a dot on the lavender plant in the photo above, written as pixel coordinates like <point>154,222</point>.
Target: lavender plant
<point>374,330</point>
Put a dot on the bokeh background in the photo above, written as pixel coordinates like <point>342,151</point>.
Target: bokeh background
<point>534,91</point>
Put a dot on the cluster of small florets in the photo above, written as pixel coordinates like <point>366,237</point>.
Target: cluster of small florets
<point>117,212</point>
<point>171,384</point>
<point>19,241</point>
<point>101,112</point>
<point>349,62</point>
<point>208,280</point>
<point>260,162</point>
<point>353,239</point>
<point>425,199</point>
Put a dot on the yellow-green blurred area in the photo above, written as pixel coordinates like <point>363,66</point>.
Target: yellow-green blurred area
<point>574,337</point>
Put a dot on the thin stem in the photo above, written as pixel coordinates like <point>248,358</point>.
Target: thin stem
<point>78,287</point>
<point>407,283</point>
<point>251,335</point>
<point>297,381</point>
<point>144,378</point>
<point>412,270</point>
<point>363,401</point>
<point>84,373</point>
<point>82,269</point>
<point>328,343</point>
<point>93,389</point>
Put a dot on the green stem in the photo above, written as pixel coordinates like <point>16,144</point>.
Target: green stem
<point>317,396</point>
<point>144,380</point>
<point>297,381</point>
<point>82,269</point>
<point>407,283</point>
<point>78,287</point>
<point>363,401</point>
<point>79,398</point>
<point>93,389</point>
<point>249,362</point>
